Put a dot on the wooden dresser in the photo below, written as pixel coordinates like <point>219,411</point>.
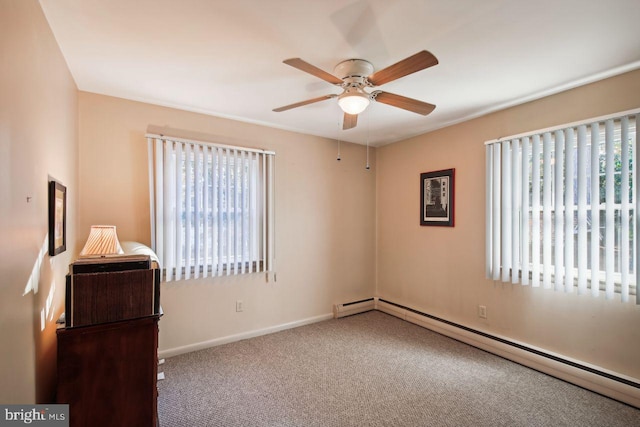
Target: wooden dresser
<point>108,347</point>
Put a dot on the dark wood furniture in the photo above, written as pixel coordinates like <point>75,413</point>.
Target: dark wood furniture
<point>108,361</point>
<point>107,373</point>
<point>107,290</point>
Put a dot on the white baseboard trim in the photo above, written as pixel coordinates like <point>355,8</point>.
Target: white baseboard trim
<point>170,352</point>
<point>591,377</point>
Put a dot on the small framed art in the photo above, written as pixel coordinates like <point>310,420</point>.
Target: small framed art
<point>57,218</point>
<point>437,198</point>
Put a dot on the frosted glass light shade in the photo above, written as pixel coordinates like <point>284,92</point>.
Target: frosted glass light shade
<point>103,240</point>
<point>353,102</point>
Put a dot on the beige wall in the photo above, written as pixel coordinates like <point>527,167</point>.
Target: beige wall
<point>38,141</point>
<point>440,270</point>
<point>325,217</point>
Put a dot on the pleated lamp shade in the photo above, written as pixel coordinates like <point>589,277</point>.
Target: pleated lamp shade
<point>102,241</point>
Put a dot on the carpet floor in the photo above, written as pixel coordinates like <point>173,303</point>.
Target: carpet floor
<point>370,369</point>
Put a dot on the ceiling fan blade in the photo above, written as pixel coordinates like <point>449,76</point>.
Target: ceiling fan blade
<point>301,103</point>
<point>349,121</point>
<point>403,102</point>
<point>417,62</point>
<point>312,69</point>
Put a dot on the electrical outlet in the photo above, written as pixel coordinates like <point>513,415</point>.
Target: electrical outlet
<point>239,306</point>
<point>482,311</point>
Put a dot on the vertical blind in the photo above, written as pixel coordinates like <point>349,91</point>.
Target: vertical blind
<point>561,207</point>
<point>212,208</point>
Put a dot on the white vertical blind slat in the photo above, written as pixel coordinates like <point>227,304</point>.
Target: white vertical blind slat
<point>595,209</point>
<point>214,212</point>
<point>236,209</point>
<point>197,218</point>
<point>253,256</point>
<point>271,255</point>
<point>609,210</point>
<point>488,218</point>
<point>247,212</point>
<point>582,210</point>
<point>189,197</point>
<point>506,214</point>
<point>243,210</point>
<point>497,201</point>
<point>264,214</point>
<point>569,209</point>
<point>624,209</point>
<point>157,173</point>
<point>221,178</point>
<point>229,212</point>
<point>535,209</point>
<point>180,225</point>
<point>636,206</point>
<point>526,216</point>
<point>515,210</point>
<point>559,211</point>
<point>238,213</point>
<point>168,190</point>
<point>169,259</point>
<point>152,201</point>
<point>206,211</point>
<point>546,206</point>
<point>250,212</point>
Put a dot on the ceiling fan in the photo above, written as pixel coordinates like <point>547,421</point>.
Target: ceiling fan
<point>354,75</point>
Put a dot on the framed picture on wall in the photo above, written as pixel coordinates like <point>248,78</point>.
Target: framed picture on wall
<point>57,218</point>
<point>437,198</point>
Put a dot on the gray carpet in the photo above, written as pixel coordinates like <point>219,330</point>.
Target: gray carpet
<point>371,369</point>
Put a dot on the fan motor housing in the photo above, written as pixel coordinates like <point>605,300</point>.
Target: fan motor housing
<point>353,68</point>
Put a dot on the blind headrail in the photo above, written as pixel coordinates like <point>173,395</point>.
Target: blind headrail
<point>212,144</point>
<point>633,112</point>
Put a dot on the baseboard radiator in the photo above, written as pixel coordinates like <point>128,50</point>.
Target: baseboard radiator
<point>356,307</point>
<point>594,378</point>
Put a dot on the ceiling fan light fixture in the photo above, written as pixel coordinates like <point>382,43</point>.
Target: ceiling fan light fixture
<point>354,101</point>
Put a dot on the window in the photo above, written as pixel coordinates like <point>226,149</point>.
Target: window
<point>212,208</point>
<point>561,207</point>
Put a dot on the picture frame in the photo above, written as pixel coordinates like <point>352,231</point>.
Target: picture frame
<point>437,198</point>
<point>57,218</point>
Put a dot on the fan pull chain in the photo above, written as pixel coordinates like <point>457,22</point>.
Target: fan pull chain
<point>339,157</point>
<point>368,167</point>
<point>368,113</point>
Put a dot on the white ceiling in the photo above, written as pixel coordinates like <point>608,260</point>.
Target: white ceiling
<point>224,58</point>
